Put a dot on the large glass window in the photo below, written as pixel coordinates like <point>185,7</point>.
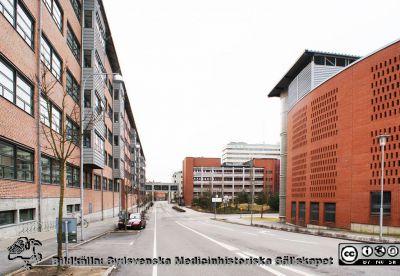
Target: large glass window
<point>55,10</point>
<point>105,181</point>
<point>87,139</point>
<point>97,182</point>
<point>376,203</point>
<point>26,215</point>
<point>24,25</point>
<point>72,131</point>
<point>7,9</point>
<point>293,211</point>
<point>98,143</point>
<point>7,160</point>
<point>110,185</point>
<point>50,170</point>
<point>11,82</point>
<point>44,111</point>
<point>314,211</point>
<point>7,217</point>
<point>88,19</point>
<point>87,58</point>
<point>76,5</point>
<point>87,180</point>
<point>24,165</point>
<point>15,162</point>
<point>330,212</point>
<point>302,210</point>
<point>50,58</point>
<point>72,176</point>
<point>56,119</point>
<point>72,86</point>
<point>73,43</point>
<point>97,103</point>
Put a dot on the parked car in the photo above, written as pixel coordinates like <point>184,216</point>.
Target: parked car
<point>133,221</point>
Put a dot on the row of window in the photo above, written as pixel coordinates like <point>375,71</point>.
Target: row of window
<point>10,216</point>
<point>16,162</point>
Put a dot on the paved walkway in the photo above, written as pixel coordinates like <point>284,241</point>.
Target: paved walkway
<point>49,244</point>
<point>335,233</point>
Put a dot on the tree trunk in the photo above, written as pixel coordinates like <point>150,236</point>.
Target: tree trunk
<point>60,209</point>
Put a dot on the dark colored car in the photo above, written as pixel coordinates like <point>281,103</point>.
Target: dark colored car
<point>133,221</point>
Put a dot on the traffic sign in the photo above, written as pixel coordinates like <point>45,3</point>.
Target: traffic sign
<point>216,199</point>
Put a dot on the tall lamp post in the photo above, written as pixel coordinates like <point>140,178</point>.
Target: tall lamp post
<point>382,142</point>
<point>117,78</point>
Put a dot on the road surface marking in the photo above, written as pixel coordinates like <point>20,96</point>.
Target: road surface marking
<point>209,223</point>
<point>132,242</point>
<point>155,242</point>
<point>267,233</point>
<point>226,246</point>
<point>248,233</point>
<point>297,241</point>
<point>265,267</point>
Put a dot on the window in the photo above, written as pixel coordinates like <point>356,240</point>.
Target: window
<point>97,180</point>
<point>26,215</point>
<point>376,203</point>
<point>88,19</point>
<point>87,139</point>
<point>116,163</point>
<point>70,208</point>
<point>330,212</point>
<point>116,186</point>
<point>116,117</point>
<point>88,98</point>
<point>7,217</point>
<point>23,22</point>
<point>72,131</point>
<point>100,68</point>
<point>72,176</point>
<point>314,211</point>
<point>24,165</point>
<point>77,8</point>
<point>293,211</point>
<point>110,135</point>
<point>50,58</point>
<point>116,140</point>
<point>110,160</point>
<point>72,87</point>
<point>110,112</point>
<point>100,29</point>
<point>302,210</point>
<point>44,111</point>
<point>55,10</point>
<point>87,180</point>
<point>56,119</point>
<point>116,94</point>
<point>15,162</point>
<point>97,103</point>
<point>15,89</point>
<point>110,185</point>
<point>73,43</point>
<point>98,143</point>
<point>87,58</point>
<point>105,181</point>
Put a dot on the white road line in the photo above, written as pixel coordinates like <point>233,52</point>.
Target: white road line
<point>265,267</point>
<point>297,241</point>
<point>226,246</point>
<point>208,224</point>
<point>155,242</point>
<point>267,233</point>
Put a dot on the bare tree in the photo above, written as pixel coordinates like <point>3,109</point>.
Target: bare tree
<point>61,130</point>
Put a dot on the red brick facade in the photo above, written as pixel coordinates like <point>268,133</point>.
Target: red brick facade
<point>333,153</point>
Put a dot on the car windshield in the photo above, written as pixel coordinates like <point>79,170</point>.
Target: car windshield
<point>134,216</point>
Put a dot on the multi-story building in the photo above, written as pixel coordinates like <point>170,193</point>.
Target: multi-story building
<point>310,70</point>
<point>333,154</point>
<point>237,153</point>
<point>208,175</point>
<point>177,179</point>
<point>72,44</point>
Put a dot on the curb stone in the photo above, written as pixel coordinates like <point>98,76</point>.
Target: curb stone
<point>370,239</point>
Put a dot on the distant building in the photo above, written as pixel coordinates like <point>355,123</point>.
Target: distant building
<point>208,175</point>
<point>177,179</point>
<point>236,153</point>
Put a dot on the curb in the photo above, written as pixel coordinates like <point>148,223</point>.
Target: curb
<point>105,273</point>
<point>317,233</point>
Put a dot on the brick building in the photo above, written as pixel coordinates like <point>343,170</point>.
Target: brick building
<point>73,44</point>
<point>333,155</point>
<point>207,174</point>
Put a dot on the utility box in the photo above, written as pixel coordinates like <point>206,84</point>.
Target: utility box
<point>72,229</point>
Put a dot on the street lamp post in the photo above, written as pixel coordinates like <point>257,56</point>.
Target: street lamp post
<point>117,77</point>
<point>382,142</point>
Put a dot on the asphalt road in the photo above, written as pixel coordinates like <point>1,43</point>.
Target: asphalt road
<point>170,234</point>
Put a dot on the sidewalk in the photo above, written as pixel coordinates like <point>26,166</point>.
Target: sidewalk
<point>49,244</point>
<point>332,233</point>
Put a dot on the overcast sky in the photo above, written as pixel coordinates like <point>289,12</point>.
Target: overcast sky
<point>198,72</point>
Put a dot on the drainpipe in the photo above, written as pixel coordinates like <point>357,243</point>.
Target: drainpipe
<point>39,68</point>
<point>81,124</point>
